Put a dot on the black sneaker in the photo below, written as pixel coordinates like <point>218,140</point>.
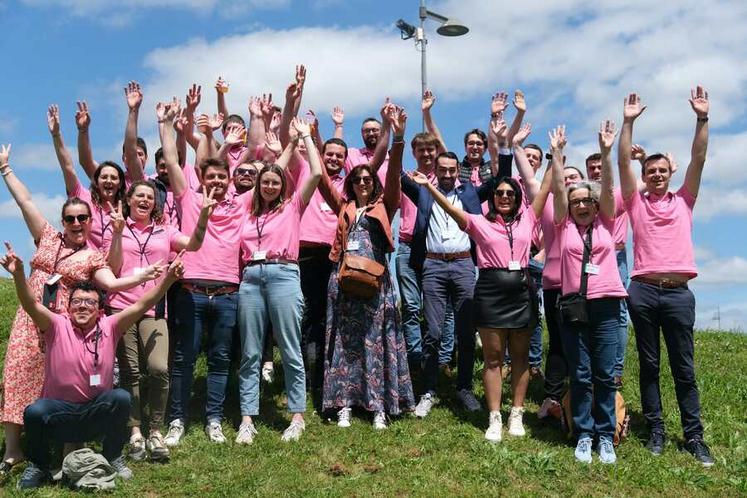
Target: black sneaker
<point>468,400</point>
<point>33,477</point>
<point>655,443</point>
<point>697,448</point>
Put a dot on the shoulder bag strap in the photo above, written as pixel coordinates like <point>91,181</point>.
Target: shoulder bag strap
<point>585,260</point>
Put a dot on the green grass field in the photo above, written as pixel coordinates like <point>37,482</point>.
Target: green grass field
<point>445,454</point>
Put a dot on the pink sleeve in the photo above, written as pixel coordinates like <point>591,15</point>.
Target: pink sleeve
<point>81,192</point>
<point>687,196</point>
<point>472,222</point>
<point>58,322</point>
<point>106,241</point>
<point>619,203</point>
<point>174,236</point>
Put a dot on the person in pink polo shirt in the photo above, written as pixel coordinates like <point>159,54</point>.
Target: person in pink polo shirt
<point>270,291</point>
<point>584,221</point>
<point>663,263</point>
<point>139,237</point>
<point>78,403</point>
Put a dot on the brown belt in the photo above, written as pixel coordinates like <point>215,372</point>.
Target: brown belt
<point>662,283</point>
<point>452,256</point>
<point>217,290</point>
<point>276,261</point>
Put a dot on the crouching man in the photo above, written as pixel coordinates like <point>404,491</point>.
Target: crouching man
<point>78,403</point>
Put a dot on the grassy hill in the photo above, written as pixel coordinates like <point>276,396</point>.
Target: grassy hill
<point>445,454</point>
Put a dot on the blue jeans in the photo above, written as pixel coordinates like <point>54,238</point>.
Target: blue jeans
<point>410,292</point>
<point>271,294</point>
<point>622,267</point>
<point>590,351</point>
<point>47,420</point>
<point>216,314</point>
<point>535,341</point>
<point>672,311</point>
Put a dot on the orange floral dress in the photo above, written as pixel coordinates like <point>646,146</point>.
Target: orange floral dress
<point>23,372</point>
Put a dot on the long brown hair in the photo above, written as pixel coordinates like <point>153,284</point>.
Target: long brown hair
<point>96,193</point>
<point>257,200</point>
<point>156,214</point>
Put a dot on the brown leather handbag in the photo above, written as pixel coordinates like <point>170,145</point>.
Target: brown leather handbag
<point>359,276</point>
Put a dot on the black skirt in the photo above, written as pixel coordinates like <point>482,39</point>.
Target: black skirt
<point>505,299</point>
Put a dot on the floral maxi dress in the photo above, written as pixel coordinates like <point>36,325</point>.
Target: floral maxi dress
<point>23,372</point>
<point>365,361</point>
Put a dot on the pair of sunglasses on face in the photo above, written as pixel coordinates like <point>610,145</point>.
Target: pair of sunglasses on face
<point>82,218</point>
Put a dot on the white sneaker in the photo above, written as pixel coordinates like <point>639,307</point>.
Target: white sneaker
<point>379,421</point>
<point>214,431</point>
<point>294,431</point>
<point>175,433</point>
<point>495,427</point>
<point>343,417</point>
<point>478,340</point>
<point>268,372</point>
<point>424,405</point>
<point>549,408</point>
<point>246,433</point>
<point>156,446</point>
<point>137,448</point>
<point>515,423</point>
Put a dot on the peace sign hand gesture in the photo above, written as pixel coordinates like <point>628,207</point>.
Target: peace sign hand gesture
<point>116,216</point>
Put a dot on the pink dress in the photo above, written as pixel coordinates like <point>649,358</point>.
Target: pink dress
<point>23,372</point>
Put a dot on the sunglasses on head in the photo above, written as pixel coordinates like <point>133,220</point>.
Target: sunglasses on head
<point>69,218</point>
<point>505,193</point>
<point>367,180</point>
<point>586,200</point>
<point>245,172</point>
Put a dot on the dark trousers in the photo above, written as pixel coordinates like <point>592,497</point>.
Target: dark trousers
<point>672,311</point>
<point>444,281</point>
<point>556,368</point>
<point>315,267</point>
<point>48,420</point>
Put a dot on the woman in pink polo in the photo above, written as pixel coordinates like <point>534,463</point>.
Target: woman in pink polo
<point>584,223</point>
<point>270,290</point>
<point>141,236</point>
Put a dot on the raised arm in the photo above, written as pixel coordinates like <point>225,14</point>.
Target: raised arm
<point>392,185</point>
<point>114,258</point>
<point>105,279</point>
<point>39,313</point>
<point>166,114</point>
<point>63,156</point>
<point>221,89</point>
<point>128,316</point>
<point>521,108</point>
<point>192,101</point>
<point>338,118</point>
<point>700,105</point>
<point>426,105</point>
<point>380,150</point>
<point>256,132</point>
<point>181,127</point>
<point>85,156</point>
<point>135,167</point>
<point>632,108</point>
<point>315,163</point>
<point>607,196</point>
<point>560,197</point>
<point>538,204</point>
<point>293,95</point>
<point>497,140</point>
<point>531,185</point>
<point>456,213</point>
<point>32,216</point>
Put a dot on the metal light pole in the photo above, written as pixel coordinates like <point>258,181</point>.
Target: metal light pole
<point>449,27</point>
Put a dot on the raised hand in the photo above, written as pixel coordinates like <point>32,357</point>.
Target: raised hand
<point>699,101</point>
<point>216,121</point>
<point>4,155</point>
<point>522,134</point>
<point>172,109</point>
<point>384,111</point>
<point>272,143</point>
<point>161,112</point>
<point>133,94</point>
<point>418,177</point>
<point>338,116</point>
<point>11,262</point>
<point>266,106</point>
<point>117,217</point>
<point>300,76</point>
<point>208,203</point>
<point>558,139</point>
<point>427,101</point>
<point>498,103</point>
<point>180,121</point>
<point>398,120</point>
<point>255,107</point>
<point>53,119</point>
<point>519,102</point>
<point>221,85</point>
<point>632,107</point>
<point>637,152</point>
<point>301,126</point>
<point>153,271</point>
<point>672,163</point>
<point>82,116</point>
<point>607,135</point>
<point>193,98</point>
<point>277,117</point>
<point>499,128</point>
<point>203,124</point>
<point>176,268</point>
<point>236,136</point>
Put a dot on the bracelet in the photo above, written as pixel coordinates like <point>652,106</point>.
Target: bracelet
<point>398,139</point>
<point>55,135</point>
<point>702,120</point>
<point>6,171</point>
<point>304,137</point>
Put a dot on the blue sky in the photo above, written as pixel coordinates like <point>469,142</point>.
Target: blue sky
<point>574,59</point>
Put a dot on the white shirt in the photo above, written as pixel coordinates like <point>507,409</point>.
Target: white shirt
<point>444,235</point>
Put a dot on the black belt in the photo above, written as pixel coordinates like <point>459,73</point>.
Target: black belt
<point>276,261</point>
<point>661,283</point>
<point>213,290</point>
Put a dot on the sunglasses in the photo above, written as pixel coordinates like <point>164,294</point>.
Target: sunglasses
<point>586,200</point>
<point>77,301</point>
<point>367,180</point>
<point>505,193</point>
<point>245,172</point>
<point>82,218</point>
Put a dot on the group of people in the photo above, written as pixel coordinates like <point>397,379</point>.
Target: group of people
<point>276,236</point>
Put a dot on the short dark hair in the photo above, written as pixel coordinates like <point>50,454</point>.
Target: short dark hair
<point>140,145</point>
<point>581,173</point>
<point>370,119</point>
<point>537,148</point>
<point>593,157</point>
<point>87,286</point>
<point>479,133</point>
<point>378,189</point>
<point>492,214</point>
<point>447,155</point>
<point>424,139</point>
<point>336,141</point>
<point>654,157</point>
<point>233,118</point>
<point>216,163</point>
<point>159,155</point>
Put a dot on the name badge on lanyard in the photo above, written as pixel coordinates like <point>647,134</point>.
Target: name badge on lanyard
<point>54,279</point>
<point>514,265</point>
<point>325,207</point>
<point>354,245</point>
<point>259,255</point>
<point>94,380</point>
<point>592,269</point>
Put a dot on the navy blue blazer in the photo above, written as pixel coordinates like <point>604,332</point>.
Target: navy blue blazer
<point>471,197</point>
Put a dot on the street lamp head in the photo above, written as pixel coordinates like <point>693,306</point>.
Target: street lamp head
<point>406,30</point>
<point>452,27</point>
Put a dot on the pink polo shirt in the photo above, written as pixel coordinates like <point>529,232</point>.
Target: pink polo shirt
<point>620,234</point>
<point>69,359</point>
<point>141,246</point>
<point>218,258</point>
<point>409,212</point>
<point>551,271</point>
<point>319,222</point>
<point>662,232</point>
<point>492,240</point>
<point>570,238</point>
<point>277,233</point>
<point>99,216</point>
<point>363,155</point>
<point>233,157</point>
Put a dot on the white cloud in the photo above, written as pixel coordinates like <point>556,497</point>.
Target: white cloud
<point>722,271</point>
<point>722,200</point>
<point>34,156</point>
<point>49,206</point>
<point>731,316</point>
